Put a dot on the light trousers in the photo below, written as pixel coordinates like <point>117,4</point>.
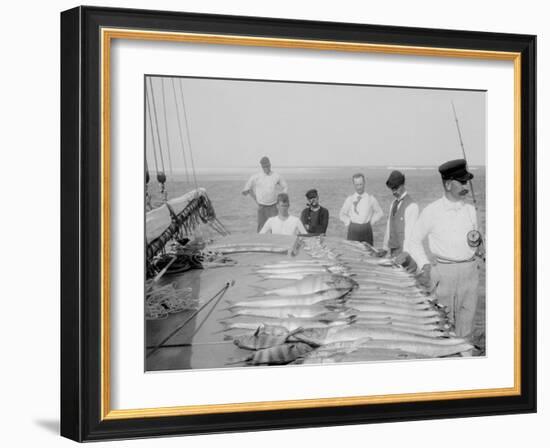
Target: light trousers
<point>457,290</point>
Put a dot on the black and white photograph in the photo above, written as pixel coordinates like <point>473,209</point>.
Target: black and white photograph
<point>275,223</point>
<point>293,223</point>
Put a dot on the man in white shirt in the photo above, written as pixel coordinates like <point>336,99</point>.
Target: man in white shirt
<point>283,223</point>
<point>263,187</point>
<point>402,217</point>
<point>448,225</point>
<point>360,212</point>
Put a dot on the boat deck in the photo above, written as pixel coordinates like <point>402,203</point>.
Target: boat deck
<point>197,340</point>
<point>200,343</point>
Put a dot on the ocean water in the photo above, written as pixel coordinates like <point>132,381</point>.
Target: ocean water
<point>238,213</point>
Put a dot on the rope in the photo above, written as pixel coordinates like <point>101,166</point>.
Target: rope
<point>148,205</point>
<point>222,226</point>
<point>166,129</point>
<point>180,133</point>
<point>161,177</point>
<point>188,133</point>
<point>152,132</point>
<point>220,293</point>
<point>227,285</point>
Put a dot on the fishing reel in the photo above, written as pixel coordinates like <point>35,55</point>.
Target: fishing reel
<point>474,238</point>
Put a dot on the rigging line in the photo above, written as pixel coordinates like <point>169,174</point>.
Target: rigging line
<point>211,309</point>
<point>180,133</point>
<point>152,131</point>
<point>157,124</point>
<point>222,226</point>
<point>166,129</point>
<point>188,133</point>
<point>216,228</point>
<point>197,311</point>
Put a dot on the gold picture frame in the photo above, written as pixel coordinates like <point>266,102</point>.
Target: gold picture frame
<point>90,394</point>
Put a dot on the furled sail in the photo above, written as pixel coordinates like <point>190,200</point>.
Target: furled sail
<point>178,216</point>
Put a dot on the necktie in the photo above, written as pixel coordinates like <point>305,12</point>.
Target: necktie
<point>394,206</point>
<point>356,202</point>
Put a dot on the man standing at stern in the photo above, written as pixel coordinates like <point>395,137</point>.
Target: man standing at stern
<point>450,226</point>
<point>402,217</point>
<point>360,212</point>
<point>314,217</point>
<point>263,187</point>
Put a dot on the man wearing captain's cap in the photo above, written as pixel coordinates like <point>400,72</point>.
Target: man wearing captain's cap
<point>314,217</point>
<point>446,224</point>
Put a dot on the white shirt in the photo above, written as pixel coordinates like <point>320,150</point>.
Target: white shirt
<point>410,215</point>
<point>266,187</point>
<point>288,226</point>
<point>446,224</point>
<point>368,210</point>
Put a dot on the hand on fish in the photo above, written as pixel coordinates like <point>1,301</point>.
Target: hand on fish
<point>382,253</point>
<point>424,277</point>
<point>404,259</point>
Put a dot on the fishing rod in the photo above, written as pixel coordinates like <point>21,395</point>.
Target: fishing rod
<point>473,238</point>
<point>463,153</point>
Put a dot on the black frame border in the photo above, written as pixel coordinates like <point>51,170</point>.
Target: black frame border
<point>81,223</point>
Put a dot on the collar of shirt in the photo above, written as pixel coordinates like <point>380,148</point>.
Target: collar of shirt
<point>363,196</point>
<point>399,199</point>
<point>452,205</point>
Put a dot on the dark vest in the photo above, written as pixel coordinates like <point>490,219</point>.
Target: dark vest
<point>397,224</point>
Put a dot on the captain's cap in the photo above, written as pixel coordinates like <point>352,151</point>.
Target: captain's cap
<point>395,180</point>
<point>455,170</point>
<point>312,193</point>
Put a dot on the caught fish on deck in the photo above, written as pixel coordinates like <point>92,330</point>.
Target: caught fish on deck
<point>291,324</point>
<point>313,284</point>
<point>305,299</point>
<point>357,355</point>
<point>390,298</point>
<point>440,320</point>
<point>298,263</point>
<point>249,248</point>
<point>404,305</point>
<point>358,332</point>
<point>366,307</point>
<point>293,270</point>
<point>310,311</point>
<point>260,340</point>
<point>426,349</point>
<point>280,354</point>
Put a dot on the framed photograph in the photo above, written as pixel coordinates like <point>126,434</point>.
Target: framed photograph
<point>274,224</point>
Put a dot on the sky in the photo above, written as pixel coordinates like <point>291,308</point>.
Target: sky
<point>230,124</point>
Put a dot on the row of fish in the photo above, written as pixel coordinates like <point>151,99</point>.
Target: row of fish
<point>346,306</point>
